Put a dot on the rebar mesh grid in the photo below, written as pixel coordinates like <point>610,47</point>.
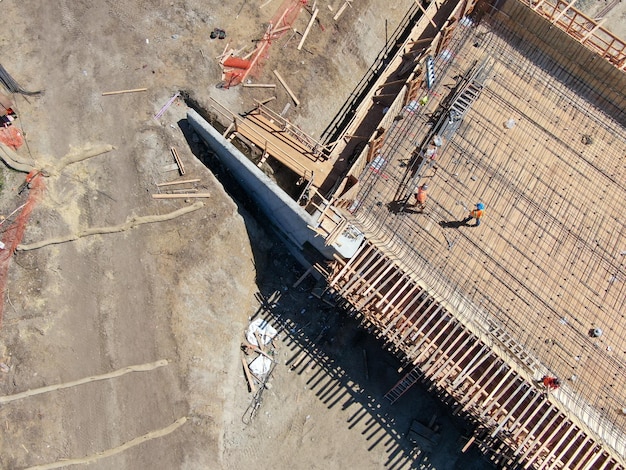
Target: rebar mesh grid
<point>547,262</point>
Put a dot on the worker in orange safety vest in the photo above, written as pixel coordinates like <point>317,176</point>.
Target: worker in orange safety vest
<point>476,213</point>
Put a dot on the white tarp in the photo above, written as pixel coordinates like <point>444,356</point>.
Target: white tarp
<point>260,366</point>
<point>264,331</point>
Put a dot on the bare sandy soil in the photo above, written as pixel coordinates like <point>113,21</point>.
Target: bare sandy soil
<point>183,290</point>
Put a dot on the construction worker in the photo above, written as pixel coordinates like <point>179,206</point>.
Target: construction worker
<point>551,383</point>
<point>475,213</point>
<point>420,197</point>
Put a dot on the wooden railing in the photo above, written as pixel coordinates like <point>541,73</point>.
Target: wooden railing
<point>584,29</point>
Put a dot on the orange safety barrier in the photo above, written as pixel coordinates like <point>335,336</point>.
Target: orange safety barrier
<point>11,136</point>
<point>14,233</point>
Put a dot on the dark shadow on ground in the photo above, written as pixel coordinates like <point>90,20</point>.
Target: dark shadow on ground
<point>346,366</point>
<point>455,224</point>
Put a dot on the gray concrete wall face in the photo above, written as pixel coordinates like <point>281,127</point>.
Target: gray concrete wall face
<point>277,206</point>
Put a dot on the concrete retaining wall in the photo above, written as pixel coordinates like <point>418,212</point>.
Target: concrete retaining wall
<point>280,209</point>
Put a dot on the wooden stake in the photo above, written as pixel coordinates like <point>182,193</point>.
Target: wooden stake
<point>179,196</point>
<point>266,100</point>
<point>308,28</point>
<point>178,182</point>
<point>343,7</point>
<point>282,82</point>
<point>135,90</point>
<point>259,85</point>
<point>468,444</point>
<point>246,370</point>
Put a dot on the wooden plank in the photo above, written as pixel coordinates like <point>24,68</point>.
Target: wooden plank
<point>504,386</point>
<point>433,310</point>
<point>508,416</point>
<point>266,100</point>
<point>472,365</point>
<point>394,325</point>
<point>308,29</point>
<point>419,41</point>
<point>423,10</point>
<point>535,404</point>
<point>246,371</point>
<point>179,162</point>
<point>594,458</point>
<point>548,443</point>
<point>432,341</point>
<point>402,295</point>
<point>341,10</point>
<point>120,92</point>
<point>552,425</point>
<point>566,448</point>
<point>284,84</point>
<point>468,444</point>
<point>170,183</point>
<point>581,461</point>
<point>363,251</point>
<point>365,268</point>
<point>458,362</point>
<point>439,348</point>
<point>537,425</point>
<point>180,196</point>
<point>259,85</point>
<point>450,353</point>
<point>565,10</point>
<point>478,391</point>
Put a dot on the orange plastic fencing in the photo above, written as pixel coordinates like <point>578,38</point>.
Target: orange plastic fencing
<point>11,136</point>
<point>280,24</point>
<point>13,234</point>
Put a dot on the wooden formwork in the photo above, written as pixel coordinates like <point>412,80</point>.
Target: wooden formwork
<point>515,415</point>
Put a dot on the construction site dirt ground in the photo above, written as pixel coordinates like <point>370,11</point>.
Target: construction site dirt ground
<point>181,290</point>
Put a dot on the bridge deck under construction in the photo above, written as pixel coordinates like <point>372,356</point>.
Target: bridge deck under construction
<point>484,312</point>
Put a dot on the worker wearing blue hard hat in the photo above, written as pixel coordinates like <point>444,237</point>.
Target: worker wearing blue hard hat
<point>476,213</point>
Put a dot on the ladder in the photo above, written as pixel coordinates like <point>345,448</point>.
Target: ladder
<point>465,99</point>
<point>404,384</point>
<point>518,351</point>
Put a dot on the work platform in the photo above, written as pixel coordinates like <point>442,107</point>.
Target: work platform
<point>285,142</point>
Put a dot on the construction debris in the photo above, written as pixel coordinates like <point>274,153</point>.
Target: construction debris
<point>180,196</point>
<point>121,92</point>
<point>170,183</point>
<point>259,336</point>
<point>179,162</point>
<point>308,28</point>
<point>341,10</point>
<point>291,93</point>
<point>251,64</point>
